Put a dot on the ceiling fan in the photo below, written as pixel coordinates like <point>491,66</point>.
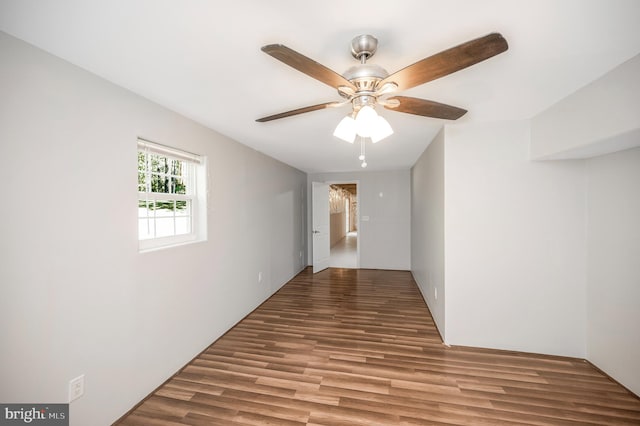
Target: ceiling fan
<point>369,85</point>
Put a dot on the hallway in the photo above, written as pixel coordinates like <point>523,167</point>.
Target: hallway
<point>345,253</point>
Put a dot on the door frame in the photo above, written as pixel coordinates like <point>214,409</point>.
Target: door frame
<point>357,184</point>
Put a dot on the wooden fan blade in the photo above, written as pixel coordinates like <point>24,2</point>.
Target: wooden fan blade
<point>448,61</point>
<point>300,111</point>
<point>306,65</point>
<point>425,108</point>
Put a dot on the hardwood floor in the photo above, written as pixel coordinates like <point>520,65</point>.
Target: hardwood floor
<point>359,347</point>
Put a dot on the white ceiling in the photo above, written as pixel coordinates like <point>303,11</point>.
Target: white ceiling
<point>203,60</point>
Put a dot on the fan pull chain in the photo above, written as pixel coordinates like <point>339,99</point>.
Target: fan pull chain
<point>362,157</point>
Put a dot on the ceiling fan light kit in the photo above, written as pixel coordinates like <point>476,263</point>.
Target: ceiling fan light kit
<point>346,129</point>
<point>367,85</point>
<point>367,124</point>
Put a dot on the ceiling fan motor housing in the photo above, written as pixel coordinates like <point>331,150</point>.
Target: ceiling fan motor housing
<point>365,76</point>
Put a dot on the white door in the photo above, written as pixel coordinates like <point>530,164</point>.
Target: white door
<point>320,226</point>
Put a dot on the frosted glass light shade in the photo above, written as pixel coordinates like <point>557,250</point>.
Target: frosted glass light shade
<point>365,121</point>
<point>381,129</point>
<point>346,129</point>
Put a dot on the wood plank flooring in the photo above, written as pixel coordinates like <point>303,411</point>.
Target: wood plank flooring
<point>359,347</point>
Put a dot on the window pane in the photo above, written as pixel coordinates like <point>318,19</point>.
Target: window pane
<point>142,161</point>
<point>145,229</point>
<point>176,168</point>
<point>142,171</point>
<point>183,225</point>
<point>164,227</point>
<point>178,185</point>
<point>159,164</point>
<point>164,208</point>
<point>160,183</point>
<point>183,208</point>
<point>142,182</point>
<point>144,210</point>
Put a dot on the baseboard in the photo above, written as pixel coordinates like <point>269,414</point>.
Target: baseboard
<point>612,379</point>
<point>426,302</point>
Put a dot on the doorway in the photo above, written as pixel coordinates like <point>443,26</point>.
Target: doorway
<point>343,213</point>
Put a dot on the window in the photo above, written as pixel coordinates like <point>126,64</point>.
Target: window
<point>170,196</point>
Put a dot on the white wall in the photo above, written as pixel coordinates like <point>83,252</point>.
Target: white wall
<point>427,227</point>
<point>613,291</point>
<point>77,296</point>
<point>386,198</point>
<point>601,117</point>
<point>514,243</point>
<point>540,256</point>
<point>604,117</point>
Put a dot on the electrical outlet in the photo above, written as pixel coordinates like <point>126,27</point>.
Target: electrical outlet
<point>76,388</point>
<point>259,277</point>
<point>435,291</point>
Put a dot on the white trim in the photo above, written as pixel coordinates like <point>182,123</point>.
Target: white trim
<point>179,154</point>
<point>163,196</point>
<point>165,242</point>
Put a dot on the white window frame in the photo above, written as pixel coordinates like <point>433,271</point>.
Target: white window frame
<point>195,195</point>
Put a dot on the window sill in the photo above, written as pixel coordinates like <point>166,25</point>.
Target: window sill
<point>146,246</point>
